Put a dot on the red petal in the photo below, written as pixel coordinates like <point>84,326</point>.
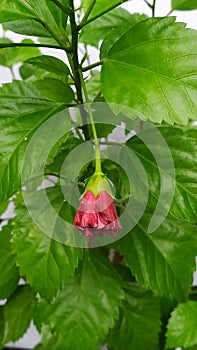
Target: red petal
<point>88,203</point>
<point>97,216</point>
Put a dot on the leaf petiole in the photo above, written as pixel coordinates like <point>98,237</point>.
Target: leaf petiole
<point>98,168</point>
<point>81,25</point>
<point>87,13</point>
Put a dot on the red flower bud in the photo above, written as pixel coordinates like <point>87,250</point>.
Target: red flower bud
<point>97,215</point>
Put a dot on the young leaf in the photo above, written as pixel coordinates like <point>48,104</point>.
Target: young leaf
<point>44,12</point>
<point>155,258</point>
<point>182,326</point>
<point>26,27</point>
<point>53,262</point>
<point>50,64</point>
<point>55,90</point>
<point>156,60</point>
<point>184,5</point>
<point>183,147</point>
<point>139,322</point>
<point>8,270</point>
<point>22,111</point>
<point>87,307</point>
<point>18,313</point>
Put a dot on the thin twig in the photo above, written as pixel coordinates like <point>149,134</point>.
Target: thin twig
<point>87,13</point>
<point>148,3</point>
<point>93,65</point>
<point>153,8</point>
<point>81,25</point>
<point>75,67</point>
<point>169,13</point>
<point>2,46</point>
<point>75,58</point>
<point>59,40</point>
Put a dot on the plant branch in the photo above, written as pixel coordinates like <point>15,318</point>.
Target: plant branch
<point>87,13</point>
<point>64,9</point>
<point>75,58</point>
<point>74,61</point>
<point>93,65</point>
<point>98,168</point>
<point>169,13</point>
<point>61,42</point>
<point>2,46</point>
<point>153,8</point>
<point>81,25</point>
<point>148,3</point>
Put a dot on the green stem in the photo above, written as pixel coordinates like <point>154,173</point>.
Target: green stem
<point>93,65</point>
<point>2,46</point>
<point>74,62</point>
<point>98,168</point>
<point>75,59</point>
<point>169,13</point>
<point>12,73</point>
<point>148,3</point>
<point>61,42</point>
<point>153,8</point>
<point>81,25</point>
<point>87,13</point>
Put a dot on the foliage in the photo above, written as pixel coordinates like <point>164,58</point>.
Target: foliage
<point>134,292</point>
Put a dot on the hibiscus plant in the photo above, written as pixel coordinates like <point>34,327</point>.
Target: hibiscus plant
<point>98,175</point>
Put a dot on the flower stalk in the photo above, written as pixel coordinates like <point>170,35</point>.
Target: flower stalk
<point>98,167</point>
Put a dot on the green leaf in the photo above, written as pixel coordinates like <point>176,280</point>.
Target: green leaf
<point>22,111</point>
<point>50,64</point>
<point>138,326</point>
<point>125,24</point>
<point>55,90</point>
<point>12,55</point>
<point>102,26</point>
<point>3,207</point>
<point>184,5</point>
<point>27,27</point>
<point>156,60</point>
<point>182,326</point>
<point>2,327</point>
<point>155,258</point>
<point>18,313</point>
<point>44,12</point>
<point>51,263</point>
<point>55,162</point>
<point>8,270</point>
<point>49,340</point>
<point>93,84</point>
<point>42,67</point>
<point>183,147</point>
<point>87,307</point>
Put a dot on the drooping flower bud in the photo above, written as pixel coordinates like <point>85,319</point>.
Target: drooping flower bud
<point>97,214</point>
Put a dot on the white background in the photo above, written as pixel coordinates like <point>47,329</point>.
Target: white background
<point>162,8</point>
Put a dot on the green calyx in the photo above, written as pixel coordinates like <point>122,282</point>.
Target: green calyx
<point>99,183</point>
